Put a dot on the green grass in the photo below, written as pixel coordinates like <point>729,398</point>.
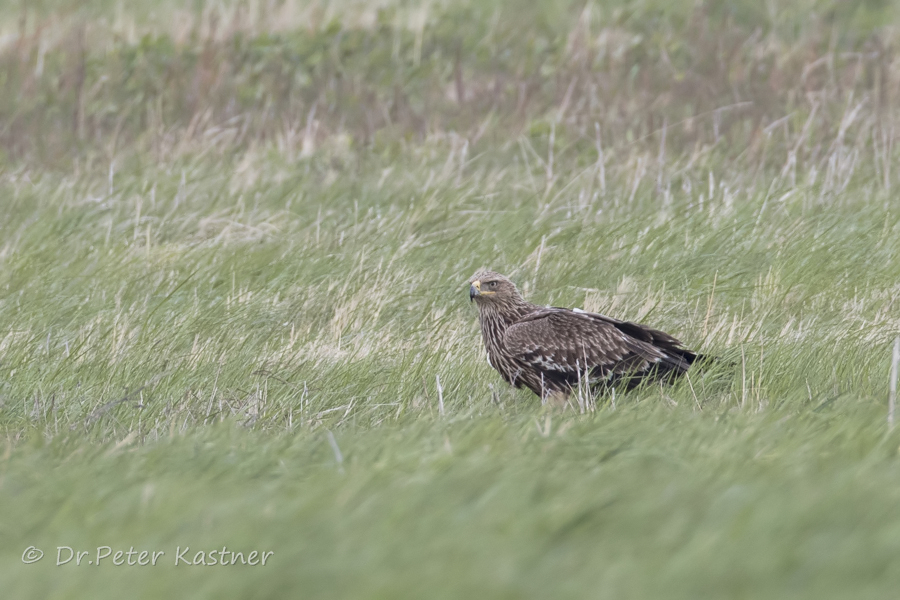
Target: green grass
<point>226,304</point>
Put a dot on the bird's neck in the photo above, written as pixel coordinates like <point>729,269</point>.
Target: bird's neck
<point>498,318</point>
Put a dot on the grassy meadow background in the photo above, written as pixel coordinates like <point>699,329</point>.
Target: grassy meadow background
<point>234,245</point>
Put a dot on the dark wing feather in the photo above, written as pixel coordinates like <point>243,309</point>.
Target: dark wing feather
<point>564,345</point>
<point>659,339</point>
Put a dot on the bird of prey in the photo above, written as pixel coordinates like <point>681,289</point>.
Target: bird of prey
<point>553,351</point>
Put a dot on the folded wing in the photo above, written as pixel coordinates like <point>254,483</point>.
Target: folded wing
<point>565,346</point>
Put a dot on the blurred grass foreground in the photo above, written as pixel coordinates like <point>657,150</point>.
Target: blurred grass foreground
<point>234,241</point>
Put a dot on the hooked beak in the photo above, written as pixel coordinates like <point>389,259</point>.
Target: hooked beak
<point>474,290</point>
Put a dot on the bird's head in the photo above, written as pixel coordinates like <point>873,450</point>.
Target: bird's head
<point>490,288</point>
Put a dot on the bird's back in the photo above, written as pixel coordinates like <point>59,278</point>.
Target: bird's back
<point>556,349</point>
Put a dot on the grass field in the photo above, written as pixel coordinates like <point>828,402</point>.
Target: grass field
<point>234,247</point>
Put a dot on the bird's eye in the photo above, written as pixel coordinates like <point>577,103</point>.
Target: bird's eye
<point>492,284</point>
